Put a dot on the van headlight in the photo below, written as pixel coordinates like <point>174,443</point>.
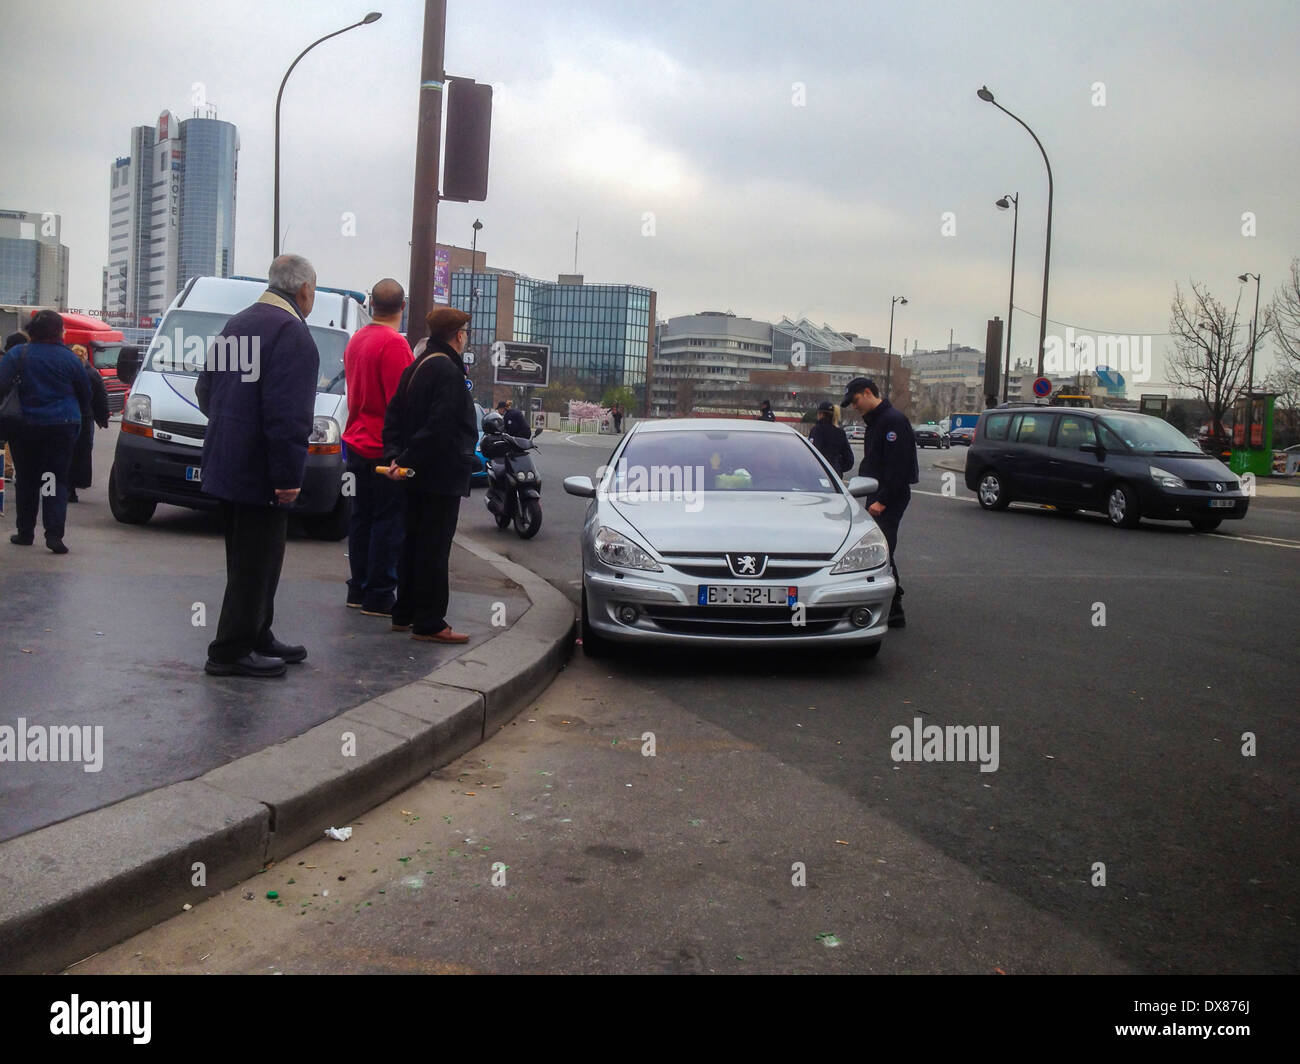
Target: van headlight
<point>324,430</point>
<point>1166,479</point>
<point>614,548</point>
<point>138,409</point>
<point>870,552</point>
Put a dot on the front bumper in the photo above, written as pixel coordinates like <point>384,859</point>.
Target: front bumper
<point>1184,504</point>
<point>668,612</point>
<point>147,468</point>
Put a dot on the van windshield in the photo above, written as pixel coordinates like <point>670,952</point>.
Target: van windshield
<point>185,337</point>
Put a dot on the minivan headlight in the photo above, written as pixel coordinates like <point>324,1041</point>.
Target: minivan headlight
<point>138,409</point>
<point>1166,479</point>
<point>870,552</point>
<point>614,548</point>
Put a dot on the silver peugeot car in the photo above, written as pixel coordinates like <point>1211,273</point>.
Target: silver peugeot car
<point>717,532</point>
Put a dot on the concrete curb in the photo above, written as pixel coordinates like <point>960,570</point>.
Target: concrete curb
<point>946,464</point>
<point>77,887</point>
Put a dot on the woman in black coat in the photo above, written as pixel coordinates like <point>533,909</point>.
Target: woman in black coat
<point>80,475</point>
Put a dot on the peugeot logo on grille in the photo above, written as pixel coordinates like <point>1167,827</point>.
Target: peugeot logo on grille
<point>747,564</point>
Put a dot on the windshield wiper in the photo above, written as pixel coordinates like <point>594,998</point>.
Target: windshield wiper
<point>1181,454</point>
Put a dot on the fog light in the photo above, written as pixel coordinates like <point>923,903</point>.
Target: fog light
<point>861,617</point>
<point>627,614</point>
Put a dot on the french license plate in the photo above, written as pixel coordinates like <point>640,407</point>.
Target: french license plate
<point>193,473</point>
<point>747,595</point>
<point>1222,504</point>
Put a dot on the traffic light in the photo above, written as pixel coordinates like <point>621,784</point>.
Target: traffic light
<point>794,395</point>
<point>469,132</point>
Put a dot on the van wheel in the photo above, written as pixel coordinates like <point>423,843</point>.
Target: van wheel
<point>1122,506</point>
<point>1206,524</point>
<point>992,492</point>
<point>127,510</point>
<point>330,526</point>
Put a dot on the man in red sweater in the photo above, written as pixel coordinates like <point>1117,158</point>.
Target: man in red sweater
<point>373,363</point>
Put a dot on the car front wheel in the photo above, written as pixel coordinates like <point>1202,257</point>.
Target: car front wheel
<point>993,492</point>
<point>1122,507</point>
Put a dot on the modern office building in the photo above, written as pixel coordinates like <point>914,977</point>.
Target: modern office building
<point>705,360</point>
<point>33,261</point>
<point>171,213</point>
<point>951,380</point>
<point>599,334</point>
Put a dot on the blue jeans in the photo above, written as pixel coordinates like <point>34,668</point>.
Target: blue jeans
<point>38,450</point>
<point>374,535</point>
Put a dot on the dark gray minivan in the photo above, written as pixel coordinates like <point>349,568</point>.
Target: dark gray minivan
<point>1127,466</point>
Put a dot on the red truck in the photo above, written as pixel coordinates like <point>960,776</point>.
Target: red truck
<point>103,344</point>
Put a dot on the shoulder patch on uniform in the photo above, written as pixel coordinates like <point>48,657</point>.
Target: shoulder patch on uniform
<point>891,436</point>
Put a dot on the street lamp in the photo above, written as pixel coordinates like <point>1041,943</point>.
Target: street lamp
<point>473,277</point>
<point>984,94</point>
<point>1250,371</point>
<point>1003,204</point>
<point>374,16</point>
<point>889,357</point>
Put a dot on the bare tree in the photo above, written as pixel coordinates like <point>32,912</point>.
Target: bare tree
<point>1208,359</point>
<point>1284,319</point>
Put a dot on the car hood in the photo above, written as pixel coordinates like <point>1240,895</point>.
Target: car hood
<point>1190,468</point>
<point>770,522</point>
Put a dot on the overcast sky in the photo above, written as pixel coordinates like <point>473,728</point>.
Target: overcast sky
<point>690,112</point>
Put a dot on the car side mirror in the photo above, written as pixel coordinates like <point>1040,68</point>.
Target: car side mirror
<point>580,486</point>
<point>1094,448</point>
<point>861,487</point>
<point>128,365</point>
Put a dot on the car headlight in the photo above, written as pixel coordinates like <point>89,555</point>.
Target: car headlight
<point>1166,479</point>
<point>324,430</point>
<point>614,548</point>
<point>138,410</point>
<point>870,552</point>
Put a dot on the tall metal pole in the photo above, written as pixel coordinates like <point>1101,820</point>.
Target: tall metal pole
<point>374,16</point>
<point>473,273</point>
<point>1250,370</point>
<point>889,356</point>
<point>987,97</point>
<point>1011,300</point>
<point>424,211</point>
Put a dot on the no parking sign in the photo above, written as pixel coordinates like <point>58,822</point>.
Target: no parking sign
<point>1042,387</point>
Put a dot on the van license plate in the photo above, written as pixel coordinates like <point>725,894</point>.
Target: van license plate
<point>193,473</point>
<point>747,595</point>
<point>1222,504</point>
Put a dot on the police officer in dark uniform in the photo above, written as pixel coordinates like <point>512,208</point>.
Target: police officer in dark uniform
<point>890,457</point>
<point>829,438</point>
<point>765,411</point>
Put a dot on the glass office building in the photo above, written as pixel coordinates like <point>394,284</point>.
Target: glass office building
<point>207,229</point>
<point>33,262</point>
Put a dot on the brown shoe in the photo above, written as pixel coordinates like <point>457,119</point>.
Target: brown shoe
<point>445,636</point>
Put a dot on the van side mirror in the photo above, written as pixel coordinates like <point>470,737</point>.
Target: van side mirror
<point>1094,448</point>
<point>128,365</point>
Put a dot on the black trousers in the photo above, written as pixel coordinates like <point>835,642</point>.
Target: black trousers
<point>39,450</point>
<point>889,522</point>
<point>423,579</point>
<point>255,538</point>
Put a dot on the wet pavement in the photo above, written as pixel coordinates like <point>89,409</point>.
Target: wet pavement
<point>106,637</point>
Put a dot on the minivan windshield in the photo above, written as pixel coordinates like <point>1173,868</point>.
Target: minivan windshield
<point>185,337</point>
<point>718,461</point>
<point>1149,435</point>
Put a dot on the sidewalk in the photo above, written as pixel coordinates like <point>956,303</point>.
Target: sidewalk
<point>211,777</point>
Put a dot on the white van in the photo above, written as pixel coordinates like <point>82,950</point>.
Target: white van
<point>160,450</point>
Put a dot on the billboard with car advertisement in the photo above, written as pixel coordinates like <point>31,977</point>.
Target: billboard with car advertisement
<point>521,365</point>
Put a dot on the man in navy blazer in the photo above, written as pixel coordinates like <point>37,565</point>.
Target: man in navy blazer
<point>258,391</point>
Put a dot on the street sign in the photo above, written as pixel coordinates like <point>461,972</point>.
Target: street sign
<point>1042,387</point>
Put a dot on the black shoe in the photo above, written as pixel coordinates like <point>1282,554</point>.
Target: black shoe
<point>290,655</point>
<point>253,664</point>
<point>377,611</point>
<point>22,541</point>
<point>56,545</point>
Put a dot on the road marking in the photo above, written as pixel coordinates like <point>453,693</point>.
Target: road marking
<point>1289,544</point>
<point>941,495</point>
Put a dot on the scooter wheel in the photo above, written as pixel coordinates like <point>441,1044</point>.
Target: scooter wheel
<point>529,519</point>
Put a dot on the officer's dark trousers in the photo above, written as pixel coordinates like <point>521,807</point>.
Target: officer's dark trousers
<point>254,554</point>
<point>889,522</point>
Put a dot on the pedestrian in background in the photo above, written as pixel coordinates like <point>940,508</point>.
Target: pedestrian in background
<point>889,455</point>
<point>373,362</point>
<point>765,411</point>
<point>830,439</point>
<point>431,430</point>
<point>55,397</point>
<point>81,473</point>
<point>515,422</point>
<point>618,418</point>
<point>6,459</point>
<point>254,457</point>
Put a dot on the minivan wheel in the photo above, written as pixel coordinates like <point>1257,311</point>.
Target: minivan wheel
<point>1206,524</point>
<point>992,492</point>
<point>1122,506</point>
<point>127,510</point>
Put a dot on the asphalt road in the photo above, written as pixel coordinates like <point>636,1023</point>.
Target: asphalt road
<point>1120,745</point>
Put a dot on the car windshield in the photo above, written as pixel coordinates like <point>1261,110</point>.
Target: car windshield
<point>1147,435</point>
<point>700,460</point>
<point>185,336</point>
